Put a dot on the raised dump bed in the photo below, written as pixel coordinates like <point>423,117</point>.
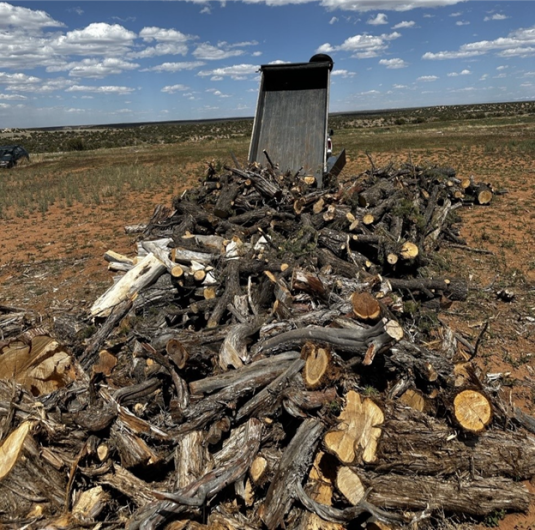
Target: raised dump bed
<point>292,116</point>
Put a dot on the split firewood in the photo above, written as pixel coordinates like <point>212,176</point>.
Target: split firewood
<point>320,488</point>
<point>89,504</point>
<point>25,477</point>
<point>144,273</point>
<point>41,365</point>
<point>355,437</point>
<point>349,485</point>
<point>224,364</point>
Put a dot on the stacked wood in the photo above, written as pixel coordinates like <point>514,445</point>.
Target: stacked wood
<point>260,364</point>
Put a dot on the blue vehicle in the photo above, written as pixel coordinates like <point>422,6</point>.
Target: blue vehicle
<point>11,154</point>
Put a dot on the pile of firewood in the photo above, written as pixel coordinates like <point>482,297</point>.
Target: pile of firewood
<point>273,357</point>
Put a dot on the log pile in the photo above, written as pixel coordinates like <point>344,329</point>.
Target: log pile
<point>273,357</point>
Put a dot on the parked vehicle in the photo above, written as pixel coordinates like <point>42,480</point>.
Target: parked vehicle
<point>11,154</point>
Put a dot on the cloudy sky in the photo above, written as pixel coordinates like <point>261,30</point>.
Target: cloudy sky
<point>93,62</point>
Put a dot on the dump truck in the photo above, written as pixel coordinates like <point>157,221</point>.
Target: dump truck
<point>291,120</point>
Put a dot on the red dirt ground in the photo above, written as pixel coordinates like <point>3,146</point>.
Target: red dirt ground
<point>53,263</point>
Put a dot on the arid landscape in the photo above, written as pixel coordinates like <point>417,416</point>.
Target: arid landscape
<point>65,208</point>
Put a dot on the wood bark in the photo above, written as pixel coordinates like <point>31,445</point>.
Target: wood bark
<point>293,466</point>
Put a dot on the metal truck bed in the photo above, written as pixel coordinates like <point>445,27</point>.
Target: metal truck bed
<point>291,117</point>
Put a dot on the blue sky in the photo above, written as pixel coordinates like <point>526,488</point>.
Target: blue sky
<point>80,63</point>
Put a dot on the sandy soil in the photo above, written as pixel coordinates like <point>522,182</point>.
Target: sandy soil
<point>53,263</point>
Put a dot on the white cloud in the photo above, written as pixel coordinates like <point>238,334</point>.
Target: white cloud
<point>496,16</point>
<point>333,20</point>
<point>343,73</point>
<point>528,51</point>
<point>95,68</point>
<point>13,97</point>
<point>237,44</point>
<point>25,18</point>
<point>379,19</point>
<point>207,52</point>
<point>217,93</point>
<point>171,89</point>
<point>462,23</point>
<point>119,90</point>
<point>174,67</point>
<point>400,87</point>
<point>503,67</point>
<point>151,33</point>
<point>205,10</point>
<point>519,43</point>
<point>463,72</point>
<point>273,3</point>
<point>239,71</point>
<point>427,78</point>
<point>162,48</point>
<point>361,46</point>
<point>456,14</point>
<point>98,38</point>
<point>450,55</point>
<point>24,83</point>
<point>358,5</point>
<point>394,64</point>
<point>17,79</point>
<point>372,5</point>
<point>405,24</point>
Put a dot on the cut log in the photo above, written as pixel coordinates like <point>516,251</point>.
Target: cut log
<point>365,306</point>
<point>349,485</point>
<point>416,443</point>
<point>291,471</point>
<point>409,250</point>
<point>472,410</point>
<point>26,479</point>
<point>41,365</point>
<point>258,469</point>
<point>233,351</point>
<point>483,194</point>
<point>318,369</point>
<point>177,352</point>
<point>354,341</point>
<point>132,450</point>
<point>355,437</point>
<point>479,497</point>
<point>414,399</point>
<point>90,504</point>
<point>192,459</point>
<point>229,470</point>
<point>368,219</point>
<point>144,273</point>
<point>320,488</point>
